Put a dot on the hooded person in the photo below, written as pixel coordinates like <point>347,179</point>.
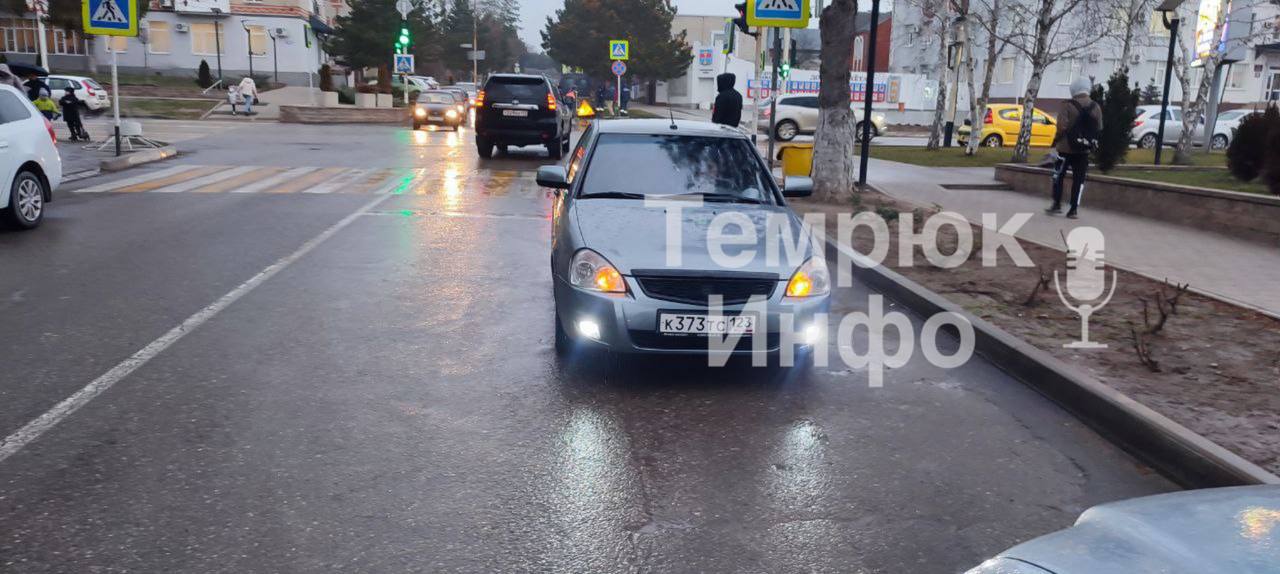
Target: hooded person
<point>728,107</point>
<point>1079,125</point>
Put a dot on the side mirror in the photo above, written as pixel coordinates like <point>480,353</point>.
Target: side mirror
<point>553,176</point>
<point>795,186</point>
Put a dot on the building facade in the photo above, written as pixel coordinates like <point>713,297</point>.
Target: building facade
<point>269,36</point>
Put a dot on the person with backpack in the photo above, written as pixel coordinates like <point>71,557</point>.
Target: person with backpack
<point>1079,126</point>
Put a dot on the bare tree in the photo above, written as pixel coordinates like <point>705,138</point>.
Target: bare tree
<point>1127,21</point>
<point>1059,29</point>
<point>834,143</point>
<point>935,15</point>
<point>992,18</point>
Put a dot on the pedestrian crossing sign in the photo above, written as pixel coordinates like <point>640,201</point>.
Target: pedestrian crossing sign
<point>110,17</point>
<point>620,49</point>
<point>403,63</point>
<point>778,13</point>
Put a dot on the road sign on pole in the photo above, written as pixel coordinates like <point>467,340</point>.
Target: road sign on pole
<point>619,50</point>
<point>110,17</point>
<point>778,13</point>
<point>619,68</point>
<point>403,63</point>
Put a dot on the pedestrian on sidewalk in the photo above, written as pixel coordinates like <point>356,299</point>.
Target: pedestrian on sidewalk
<point>71,114</point>
<point>249,92</point>
<point>233,98</point>
<point>1079,125</point>
<point>48,108</point>
<point>727,109</point>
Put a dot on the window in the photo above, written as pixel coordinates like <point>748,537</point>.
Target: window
<point>1237,77</point>
<point>203,42</point>
<point>12,108</point>
<point>159,39</point>
<point>1157,76</point>
<point>1004,71</point>
<point>18,35</point>
<point>515,88</point>
<point>257,40</point>
<point>718,168</point>
<point>1071,70</point>
<point>118,44</point>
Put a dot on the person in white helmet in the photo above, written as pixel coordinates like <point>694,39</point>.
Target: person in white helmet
<point>1079,125</point>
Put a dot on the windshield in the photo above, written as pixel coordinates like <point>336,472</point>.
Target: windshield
<point>712,167</point>
<point>436,98</point>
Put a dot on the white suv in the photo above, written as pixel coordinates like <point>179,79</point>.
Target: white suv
<point>30,167</point>
<point>93,95</point>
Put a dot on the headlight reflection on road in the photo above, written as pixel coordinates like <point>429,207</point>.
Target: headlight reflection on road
<point>452,188</point>
<point>598,487</point>
<point>419,137</point>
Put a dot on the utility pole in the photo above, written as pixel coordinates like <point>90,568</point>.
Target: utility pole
<point>275,56</point>
<point>773,89</point>
<point>217,41</point>
<point>1165,9</point>
<point>475,46</point>
<point>41,9</point>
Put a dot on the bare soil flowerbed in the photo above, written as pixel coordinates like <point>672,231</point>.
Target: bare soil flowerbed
<point>1211,366</point>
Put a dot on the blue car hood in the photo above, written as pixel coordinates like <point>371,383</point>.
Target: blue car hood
<point>633,236</point>
<point>1221,530</point>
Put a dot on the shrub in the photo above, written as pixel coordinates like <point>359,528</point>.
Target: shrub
<point>1119,109</point>
<point>1271,153</point>
<point>203,77</point>
<point>367,89</point>
<point>346,95</point>
<point>1151,94</point>
<point>326,78</point>
<point>384,80</point>
<point>1247,152</point>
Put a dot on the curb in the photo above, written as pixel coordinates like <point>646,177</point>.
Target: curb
<point>138,158</point>
<point>1175,451</point>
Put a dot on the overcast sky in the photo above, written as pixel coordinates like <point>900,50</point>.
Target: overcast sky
<point>533,15</point>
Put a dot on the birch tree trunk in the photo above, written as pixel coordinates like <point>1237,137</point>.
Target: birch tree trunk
<point>940,106</point>
<point>1191,112</point>
<point>1039,59</point>
<point>834,144</point>
<point>980,105</point>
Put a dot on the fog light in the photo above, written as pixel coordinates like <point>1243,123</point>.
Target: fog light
<point>812,334</point>
<point>589,329</point>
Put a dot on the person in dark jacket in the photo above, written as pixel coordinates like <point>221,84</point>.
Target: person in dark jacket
<point>70,105</point>
<point>1079,109</point>
<point>35,86</point>
<point>728,107</point>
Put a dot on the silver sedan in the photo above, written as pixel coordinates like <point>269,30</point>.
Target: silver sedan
<point>656,221</point>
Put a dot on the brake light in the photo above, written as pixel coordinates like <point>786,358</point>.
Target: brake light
<point>89,89</point>
<point>766,112</point>
<point>1137,123</point>
<point>551,101</point>
<point>989,118</point>
<point>49,126</point>
<point>480,99</point>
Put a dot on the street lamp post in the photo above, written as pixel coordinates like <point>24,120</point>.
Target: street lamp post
<point>275,57</point>
<point>248,35</point>
<point>217,40</point>
<point>1166,8</point>
<point>870,93</point>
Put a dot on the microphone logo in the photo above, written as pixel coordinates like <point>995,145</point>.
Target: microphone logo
<point>1086,280</point>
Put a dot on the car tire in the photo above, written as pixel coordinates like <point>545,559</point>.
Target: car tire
<point>1219,141</point>
<point>993,140</point>
<point>786,130</point>
<point>565,146</point>
<point>484,147</point>
<point>26,201</point>
<point>1148,141</point>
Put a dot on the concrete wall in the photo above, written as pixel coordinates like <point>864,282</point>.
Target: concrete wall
<point>1244,215</point>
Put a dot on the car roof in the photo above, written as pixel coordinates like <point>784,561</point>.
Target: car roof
<point>517,77</point>
<point>663,127</point>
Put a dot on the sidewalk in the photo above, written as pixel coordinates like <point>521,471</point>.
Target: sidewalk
<point>1230,269</point>
<point>286,96</point>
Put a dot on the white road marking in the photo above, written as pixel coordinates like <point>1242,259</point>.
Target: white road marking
<point>206,180</point>
<point>340,180</point>
<point>120,183</point>
<point>277,179</point>
<point>42,424</point>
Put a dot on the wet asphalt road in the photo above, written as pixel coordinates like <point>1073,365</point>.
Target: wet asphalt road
<point>391,402</point>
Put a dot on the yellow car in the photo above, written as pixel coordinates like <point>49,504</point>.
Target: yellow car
<point>1001,123</point>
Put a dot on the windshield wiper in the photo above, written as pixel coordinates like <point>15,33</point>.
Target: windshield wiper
<point>724,197</point>
<point>613,195</point>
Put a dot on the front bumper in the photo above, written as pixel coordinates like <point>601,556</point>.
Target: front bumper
<point>629,322</point>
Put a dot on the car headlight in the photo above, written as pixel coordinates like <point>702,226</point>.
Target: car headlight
<point>591,271</point>
<point>810,280</point>
<point>419,112</point>
<point>461,108</point>
<point>451,114</point>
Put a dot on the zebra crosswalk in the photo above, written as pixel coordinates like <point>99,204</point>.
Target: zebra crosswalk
<point>319,180</point>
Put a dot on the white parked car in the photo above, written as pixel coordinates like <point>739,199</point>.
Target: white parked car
<point>30,167</point>
<point>799,115</point>
<point>94,96</point>
<point>1147,125</point>
<point>1225,130</point>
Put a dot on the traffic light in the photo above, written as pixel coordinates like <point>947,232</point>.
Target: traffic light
<point>741,20</point>
<point>402,43</point>
<point>785,70</point>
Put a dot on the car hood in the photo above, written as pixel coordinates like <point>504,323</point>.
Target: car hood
<point>632,236</point>
<point>1233,530</point>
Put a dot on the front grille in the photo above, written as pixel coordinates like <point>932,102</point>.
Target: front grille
<point>654,340</point>
<point>695,290</point>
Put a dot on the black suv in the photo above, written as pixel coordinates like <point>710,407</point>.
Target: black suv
<point>519,109</point>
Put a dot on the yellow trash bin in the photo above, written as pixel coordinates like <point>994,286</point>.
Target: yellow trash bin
<point>797,159</point>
